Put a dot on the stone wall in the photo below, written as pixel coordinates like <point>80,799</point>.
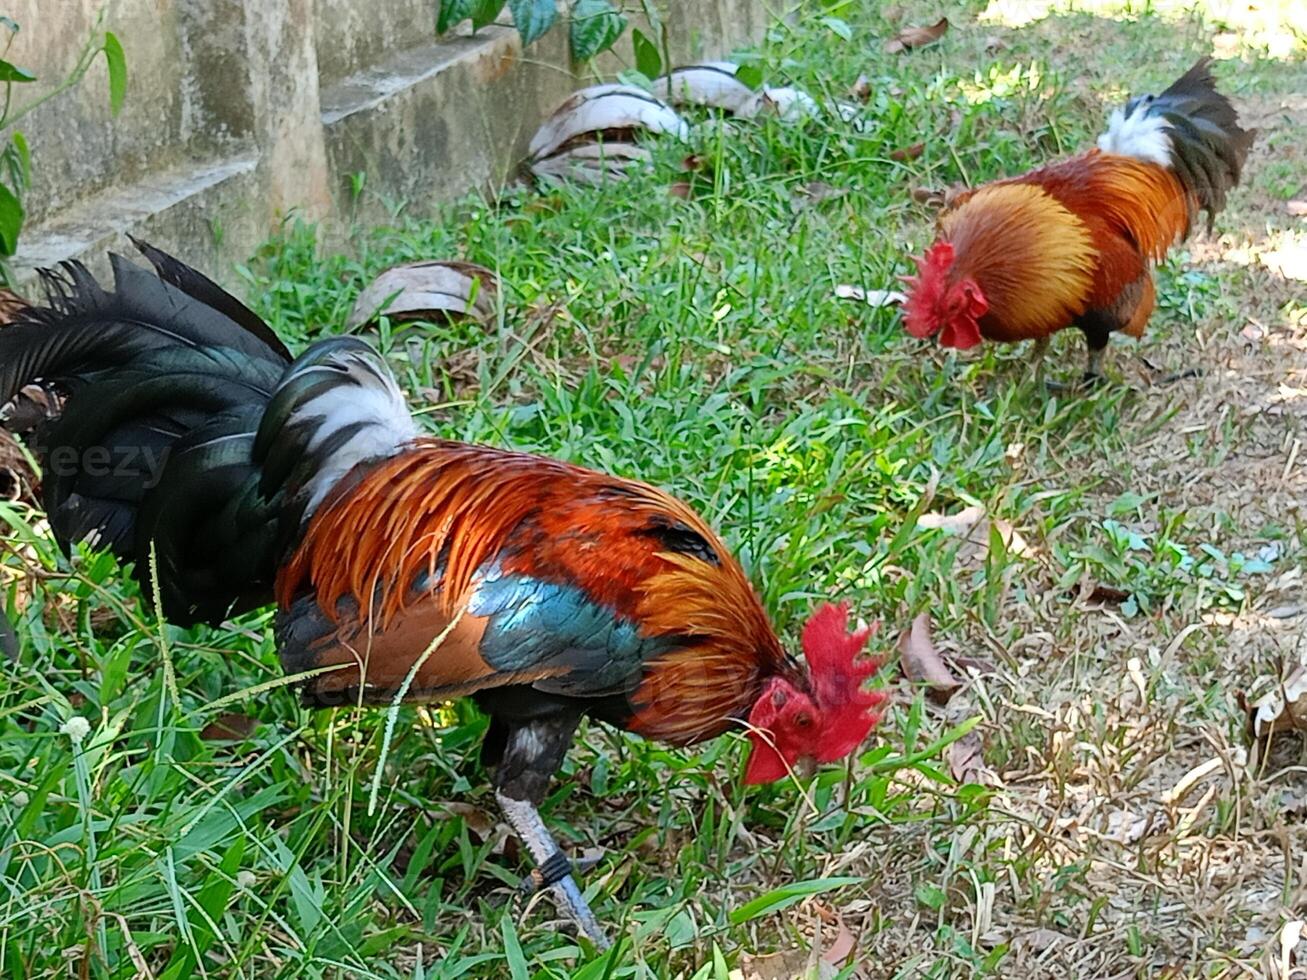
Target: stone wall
<point>239,112</point>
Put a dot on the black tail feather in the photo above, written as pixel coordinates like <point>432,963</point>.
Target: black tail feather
<point>186,433</point>
<point>201,287</point>
<point>1208,146</point>
<point>156,365</point>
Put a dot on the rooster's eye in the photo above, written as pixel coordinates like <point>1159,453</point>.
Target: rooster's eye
<point>803,720</point>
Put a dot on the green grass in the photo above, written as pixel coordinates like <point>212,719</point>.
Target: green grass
<point>700,345</point>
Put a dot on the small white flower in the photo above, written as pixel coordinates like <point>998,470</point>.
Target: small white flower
<point>76,728</point>
<point>19,799</point>
<point>245,880</point>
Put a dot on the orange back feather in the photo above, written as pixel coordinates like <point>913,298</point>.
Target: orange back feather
<point>462,506</point>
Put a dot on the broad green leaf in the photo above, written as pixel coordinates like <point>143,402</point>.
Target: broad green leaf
<point>750,75</point>
<point>647,59</point>
<point>117,64</point>
<point>784,897</point>
<point>24,156</point>
<point>485,13</point>
<point>10,72</point>
<point>931,896</point>
<point>533,18</point>
<point>840,28</point>
<point>720,970</point>
<point>11,220</point>
<point>453,12</point>
<point>603,968</point>
<point>596,26</point>
<point>517,967</point>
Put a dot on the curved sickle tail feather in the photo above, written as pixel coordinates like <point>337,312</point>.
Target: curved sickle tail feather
<point>1190,128</point>
<point>185,426</point>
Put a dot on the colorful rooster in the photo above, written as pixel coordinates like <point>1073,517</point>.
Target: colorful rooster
<point>405,566</point>
<point>1072,243</point>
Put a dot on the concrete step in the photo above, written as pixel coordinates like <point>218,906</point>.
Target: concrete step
<point>437,120</point>
<point>427,122</point>
<point>189,210</point>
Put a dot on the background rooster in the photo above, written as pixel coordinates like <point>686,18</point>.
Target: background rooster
<point>403,566</point>
<point>1072,243</point>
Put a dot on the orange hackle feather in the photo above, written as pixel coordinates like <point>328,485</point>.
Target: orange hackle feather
<point>460,506</point>
<point>1010,237</point>
<point>694,692</point>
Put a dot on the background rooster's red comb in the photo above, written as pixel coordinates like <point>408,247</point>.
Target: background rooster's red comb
<point>921,312</point>
<point>837,675</point>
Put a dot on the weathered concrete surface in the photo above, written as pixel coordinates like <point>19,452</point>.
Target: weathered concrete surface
<point>77,149</point>
<point>239,112</point>
<point>283,81</point>
<point>361,35</point>
<point>439,120</point>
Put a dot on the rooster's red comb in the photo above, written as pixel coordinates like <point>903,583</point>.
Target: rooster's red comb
<point>922,312</point>
<point>837,675</point>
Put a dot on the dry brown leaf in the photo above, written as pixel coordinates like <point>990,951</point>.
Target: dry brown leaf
<point>1281,710</point>
<point>1037,941</point>
<point>908,152</point>
<point>957,524</point>
<point>445,290</point>
<point>844,946</point>
<point>928,196</point>
<point>17,478</point>
<point>1105,594</point>
<point>11,304</point>
<point>790,964</point>
<point>33,405</point>
<point>922,663</point>
<point>861,89</point>
<point>680,189</point>
<point>916,37</point>
<point>1297,208</point>
<point>972,525</point>
<point>474,818</point>
<point>712,84</point>
<point>966,759</point>
<point>872,297</point>
<point>230,726</point>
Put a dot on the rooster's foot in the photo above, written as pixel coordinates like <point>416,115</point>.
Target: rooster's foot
<point>553,870</point>
<point>1185,375</point>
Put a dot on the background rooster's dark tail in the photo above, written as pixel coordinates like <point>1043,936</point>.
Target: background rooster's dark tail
<point>186,428</point>
<point>1190,128</point>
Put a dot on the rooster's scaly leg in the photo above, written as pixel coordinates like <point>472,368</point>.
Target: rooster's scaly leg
<point>1037,359</point>
<point>554,871</point>
<point>1094,366</point>
<point>526,754</point>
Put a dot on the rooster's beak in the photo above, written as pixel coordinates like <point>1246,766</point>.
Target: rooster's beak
<point>805,766</point>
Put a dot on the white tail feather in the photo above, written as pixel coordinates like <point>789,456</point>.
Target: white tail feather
<point>1138,135</point>
<point>372,402</point>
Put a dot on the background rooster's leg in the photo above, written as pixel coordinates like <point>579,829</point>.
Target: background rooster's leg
<point>1097,326</point>
<point>1094,365</point>
<point>1037,358</point>
<point>526,754</point>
